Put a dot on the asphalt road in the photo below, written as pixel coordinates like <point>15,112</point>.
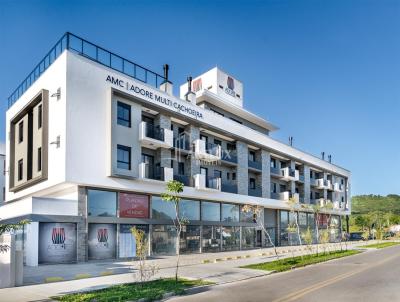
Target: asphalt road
<point>372,276</point>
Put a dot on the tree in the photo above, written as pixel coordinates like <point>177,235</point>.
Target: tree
<point>317,213</point>
<point>293,206</point>
<point>145,272</point>
<point>324,239</point>
<point>10,227</point>
<point>172,195</point>
<point>308,239</point>
<point>257,218</point>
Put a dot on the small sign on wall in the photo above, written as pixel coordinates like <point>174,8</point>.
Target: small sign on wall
<point>133,205</point>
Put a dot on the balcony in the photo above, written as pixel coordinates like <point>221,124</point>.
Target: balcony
<point>256,192</point>
<point>275,171</point>
<point>285,196</point>
<point>154,137</point>
<point>290,174</point>
<point>324,184</point>
<point>229,188</point>
<point>201,182</point>
<point>151,172</point>
<point>183,179</point>
<point>206,152</point>
<point>301,177</point>
<point>229,156</point>
<point>337,187</point>
<point>255,165</point>
<point>182,143</point>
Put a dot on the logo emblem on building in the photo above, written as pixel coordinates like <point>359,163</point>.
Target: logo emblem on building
<point>102,235</point>
<point>58,236</point>
<point>197,85</point>
<point>230,83</point>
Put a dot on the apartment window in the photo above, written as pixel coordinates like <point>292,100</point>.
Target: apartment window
<point>181,168</point>
<point>233,176</point>
<point>228,175</point>
<point>20,169</point>
<point>39,159</point>
<point>342,199</point>
<point>123,157</point>
<point>20,132</point>
<point>342,181</point>
<point>252,183</point>
<point>252,156</point>
<point>124,114</point>
<point>273,163</point>
<point>273,187</point>
<point>217,142</point>
<point>40,116</point>
<point>231,147</point>
<point>282,188</point>
<point>311,174</point>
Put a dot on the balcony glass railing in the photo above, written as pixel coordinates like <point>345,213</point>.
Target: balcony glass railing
<point>275,171</point>
<point>183,179</point>
<point>213,183</point>
<point>230,156</point>
<point>255,165</point>
<point>154,172</point>
<point>155,132</point>
<point>256,192</point>
<point>212,149</point>
<point>229,188</point>
<point>93,52</point>
<point>182,142</point>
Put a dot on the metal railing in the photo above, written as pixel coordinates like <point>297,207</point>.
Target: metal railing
<point>256,192</point>
<point>182,142</point>
<point>213,182</point>
<point>275,171</point>
<point>212,149</point>
<point>93,52</point>
<point>155,132</point>
<point>183,179</point>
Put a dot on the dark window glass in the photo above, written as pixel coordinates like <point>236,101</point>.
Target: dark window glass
<point>233,176</point>
<point>163,240</point>
<point>246,216</point>
<point>162,209</point>
<point>102,203</point>
<point>211,239</point>
<point>217,173</point>
<point>210,211</point>
<point>284,227</point>
<point>190,239</point>
<point>252,183</point>
<point>39,159</point>
<point>217,142</point>
<point>230,212</point>
<point>252,156</point>
<point>20,169</point>
<point>123,157</point>
<point>124,114</point>
<point>273,163</point>
<point>40,116</point>
<point>21,132</point>
<point>230,238</point>
<point>181,168</point>
<point>189,209</point>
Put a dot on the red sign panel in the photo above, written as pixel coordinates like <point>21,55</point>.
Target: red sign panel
<point>133,205</point>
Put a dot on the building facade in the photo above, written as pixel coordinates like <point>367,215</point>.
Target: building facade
<point>92,139</point>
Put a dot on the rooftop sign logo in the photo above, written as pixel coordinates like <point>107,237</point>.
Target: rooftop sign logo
<point>197,85</point>
<point>230,83</point>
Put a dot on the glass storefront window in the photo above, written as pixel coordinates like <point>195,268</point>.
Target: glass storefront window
<point>230,212</point>
<point>303,220</point>
<point>163,240</point>
<point>102,203</point>
<point>210,211</point>
<point>272,234</point>
<point>284,240</point>
<point>190,239</point>
<point>248,237</point>
<point>246,216</point>
<point>211,240</point>
<point>311,221</point>
<point>230,238</point>
<point>162,209</point>
<point>133,205</point>
<point>127,242</point>
<point>189,209</point>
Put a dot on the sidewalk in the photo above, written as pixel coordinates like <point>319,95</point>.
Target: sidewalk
<point>219,268</point>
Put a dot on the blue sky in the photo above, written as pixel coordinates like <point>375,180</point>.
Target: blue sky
<point>326,72</point>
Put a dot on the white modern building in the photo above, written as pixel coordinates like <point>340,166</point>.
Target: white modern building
<point>92,138</point>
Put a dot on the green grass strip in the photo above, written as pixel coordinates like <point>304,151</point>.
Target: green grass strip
<point>152,290</point>
<point>290,263</point>
<point>381,245</point>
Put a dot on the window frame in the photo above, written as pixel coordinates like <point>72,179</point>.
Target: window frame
<point>125,149</point>
<point>123,120</point>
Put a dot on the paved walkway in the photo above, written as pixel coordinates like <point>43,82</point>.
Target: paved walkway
<point>219,268</point>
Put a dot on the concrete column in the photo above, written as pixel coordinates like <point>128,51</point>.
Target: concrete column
<point>292,184</point>
<point>242,168</point>
<point>193,166</point>
<point>32,244</point>
<point>163,155</point>
<point>82,226</point>
<point>266,174</point>
<point>307,184</point>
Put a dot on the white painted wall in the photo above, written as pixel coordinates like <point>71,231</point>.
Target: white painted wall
<point>32,241</point>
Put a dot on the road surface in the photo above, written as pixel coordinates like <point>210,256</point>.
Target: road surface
<point>368,277</point>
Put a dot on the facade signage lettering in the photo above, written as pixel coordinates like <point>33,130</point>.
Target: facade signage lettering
<point>154,97</point>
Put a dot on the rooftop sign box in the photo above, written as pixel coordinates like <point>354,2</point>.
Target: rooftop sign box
<point>218,82</point>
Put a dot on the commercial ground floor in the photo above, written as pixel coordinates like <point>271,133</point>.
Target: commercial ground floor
<point>103,230</point>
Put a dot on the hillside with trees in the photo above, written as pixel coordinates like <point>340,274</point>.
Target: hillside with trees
<point>363,204</point>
